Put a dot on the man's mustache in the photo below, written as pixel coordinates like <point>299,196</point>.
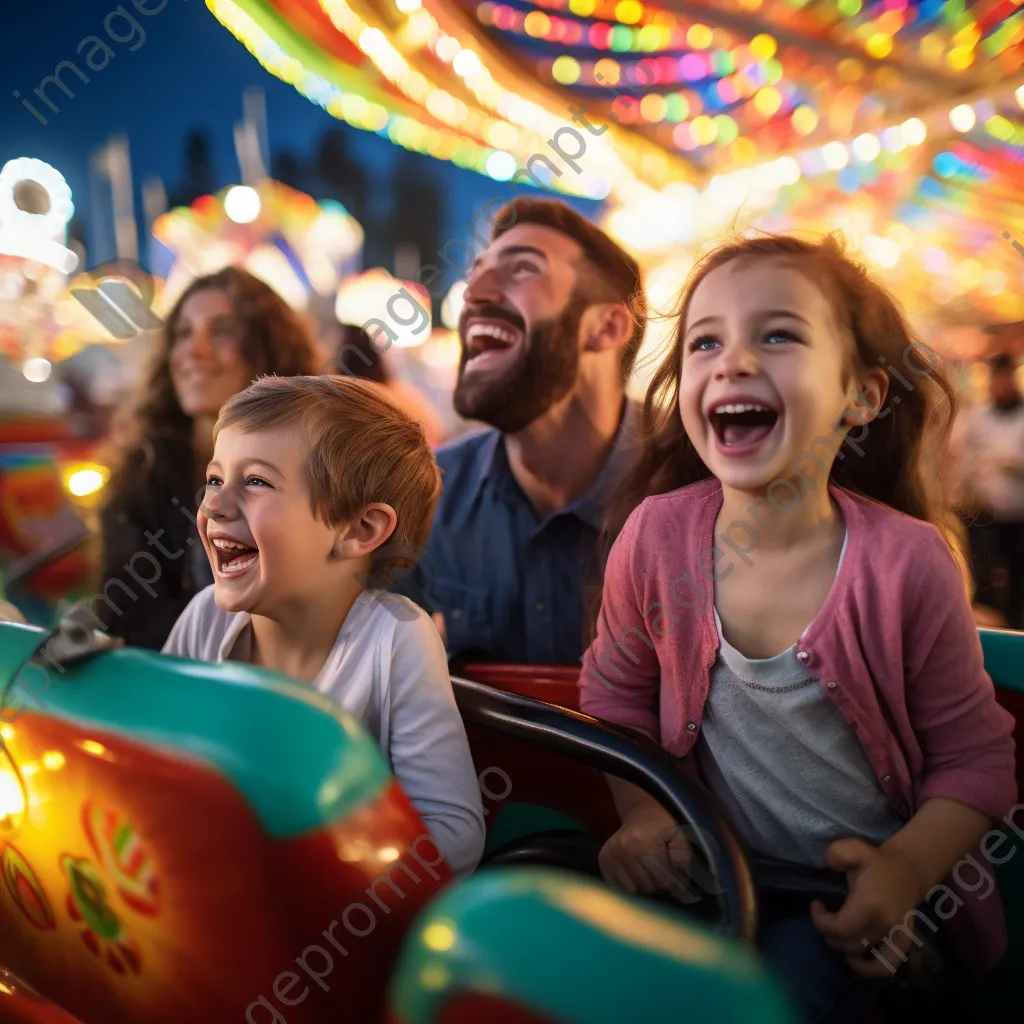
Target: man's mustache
<point>491,313</point>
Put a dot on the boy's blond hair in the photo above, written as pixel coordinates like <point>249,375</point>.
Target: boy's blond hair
<point>361,448</point>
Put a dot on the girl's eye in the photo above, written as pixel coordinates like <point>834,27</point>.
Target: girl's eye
<point>704,343</point>
<point>255,481</point>
<point>214,481</point>
<point>779,335</point>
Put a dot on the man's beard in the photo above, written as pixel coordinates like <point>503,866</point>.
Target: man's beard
<point>541,373</point>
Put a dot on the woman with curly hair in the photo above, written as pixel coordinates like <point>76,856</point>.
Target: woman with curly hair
<point>225,330</point>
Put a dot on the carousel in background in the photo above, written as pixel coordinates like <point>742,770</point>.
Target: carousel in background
<point>49,479</point>
<point>897,122</point>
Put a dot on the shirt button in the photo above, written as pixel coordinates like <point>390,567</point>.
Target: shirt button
<point>539,606</point>
<point>802,655</point>
<point>886,778</point>
<point>456,613</point>
<point>831,684</point>
<point>691,726</point>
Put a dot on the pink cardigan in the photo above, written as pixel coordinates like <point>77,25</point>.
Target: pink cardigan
<point>894,646</point>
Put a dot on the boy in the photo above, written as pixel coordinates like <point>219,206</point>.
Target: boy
<point>310,477</point>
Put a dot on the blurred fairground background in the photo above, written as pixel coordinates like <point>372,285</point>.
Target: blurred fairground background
<point>338,148</point>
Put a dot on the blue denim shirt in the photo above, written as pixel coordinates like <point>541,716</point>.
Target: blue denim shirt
<point>513,587</point>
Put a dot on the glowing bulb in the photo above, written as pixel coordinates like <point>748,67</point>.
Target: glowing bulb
<point>12,798</point>
<point>914,131</point>
<point>85,481</point>
<point>36,369</point>
<point>501,165</point>
<point>835,156</point>
<point>466,63</point>
<point>408,6</point>
<point>962,117</point>
<point>1020,95</point>
<point>866,147</point>
<point>242,204</point>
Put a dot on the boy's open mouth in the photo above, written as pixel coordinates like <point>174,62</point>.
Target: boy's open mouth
<point>742,424</point>
<point>233,557</point>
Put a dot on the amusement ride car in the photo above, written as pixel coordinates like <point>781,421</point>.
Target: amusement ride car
<point>213,842</point>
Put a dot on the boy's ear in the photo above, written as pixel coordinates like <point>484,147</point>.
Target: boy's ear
<point>365,532</point>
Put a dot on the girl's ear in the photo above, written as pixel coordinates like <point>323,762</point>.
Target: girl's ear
<point>867,403</point>
<point>366,532</point>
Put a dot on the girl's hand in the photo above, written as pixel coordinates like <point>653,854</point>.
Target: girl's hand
<point>648,854</point>
<point>884,888</point>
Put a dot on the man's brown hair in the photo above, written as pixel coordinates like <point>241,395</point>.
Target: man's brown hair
<point>361,448</point>
<point>617,275</point>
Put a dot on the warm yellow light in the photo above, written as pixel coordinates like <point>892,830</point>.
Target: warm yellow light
<point>94,748</point>
<point>537,24</point>
<point>85,479</point>
<point>835,155</point>
<point>408,6</point>
<point>699,37</point>
<point>805,120</point>
<point>565,70</point>
<point>932,47</point>
<point>767,100</point>
<point>879,45</point>
<point>962,117</point>
<point>53,760</point>
<point>914,131</point>
<point>703,130</point>
<point>763,47</point>
<point>629,12</point>
<point>7,733</point>
<point>12,797</point>
<point>439,936</point>
<point>850,69</point>
<point>583,8</point>
<point>959,58</point>
<point>882,251</point>
<point>607,71</point>
<point>388,854</point>
<point>1019,94</point>
<point>653,107</point>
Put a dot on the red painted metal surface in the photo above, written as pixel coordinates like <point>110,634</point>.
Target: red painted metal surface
<point>140,887</point>
<point>531,775</point>
<point>20,1004</point>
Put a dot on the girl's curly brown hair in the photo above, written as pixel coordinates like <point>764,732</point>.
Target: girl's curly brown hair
<point>152,455</point>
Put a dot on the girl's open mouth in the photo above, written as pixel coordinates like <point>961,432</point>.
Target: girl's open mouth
<point>233,557</point>
<point>740,427</point>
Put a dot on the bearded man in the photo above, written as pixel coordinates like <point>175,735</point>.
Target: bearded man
<point>554,316</point>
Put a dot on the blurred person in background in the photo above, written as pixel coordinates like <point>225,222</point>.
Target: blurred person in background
<point>992,475</point>
<point>225,330</point>
<point>357,356</point>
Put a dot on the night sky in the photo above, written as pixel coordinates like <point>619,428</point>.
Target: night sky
<point>189,73</point>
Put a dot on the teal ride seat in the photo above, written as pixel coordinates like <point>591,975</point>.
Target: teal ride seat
<point>184,841</point>
<point>1004,662</point>
<point>536,946</point>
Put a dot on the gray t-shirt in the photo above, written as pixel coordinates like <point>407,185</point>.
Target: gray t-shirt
<point>786,766</point>
<point>388,669</point>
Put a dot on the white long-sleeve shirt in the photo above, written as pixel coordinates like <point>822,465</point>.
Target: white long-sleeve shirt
<point>389,670</point>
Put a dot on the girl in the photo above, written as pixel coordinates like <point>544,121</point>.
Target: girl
<point>789,613</point>
<point>226,329</point>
